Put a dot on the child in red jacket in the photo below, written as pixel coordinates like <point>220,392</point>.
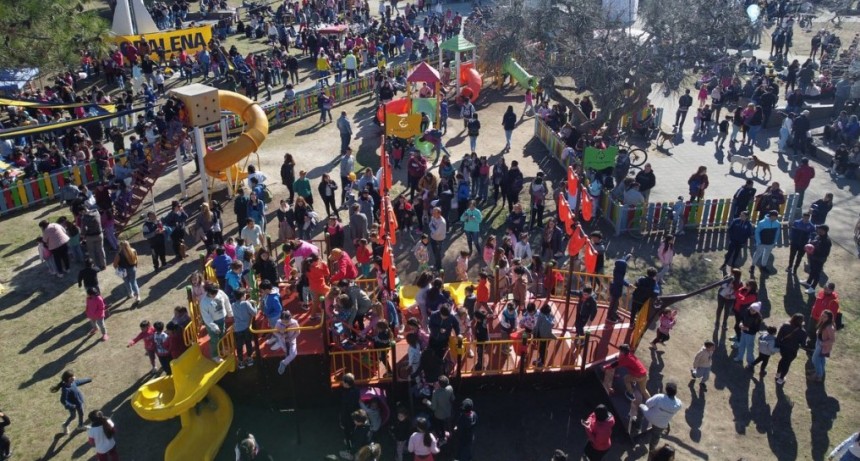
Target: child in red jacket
<point>96,312</point>
<point>598,429</point>
<point>146,334</point>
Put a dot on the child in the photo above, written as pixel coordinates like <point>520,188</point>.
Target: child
<point>413,325</point>
<point>766,348</point>
<point>724,132</point>
<point>489,251</point>
<point>175,340</point>
<point>702,364</point>
<point>523,248</point>
<point>244,253</point>
<point>413,355</point>
<point>529,318</point>
<point>504,277</point>
<point>96,312</point>
<point>88,277</point>
<point>233,280</point>
<point>243,315</point>
<point>551,279</point>
<point>230,247</point>
<point>383,339</point>
<point>465,321</point>
<point>363,256</point>
<point>45,256</point>
<point>74,243</point>
<point>529,103</point>
<point>678,215</point>
<point>71,398</point>
<point>181,317</point>
<point>374,418</point>
<point>162,349</point>
<point>101,436</point>
<point>401,430</point>
<point>422,253</point>
<point>463,266</point>
<point>482,294</point>
<point>482,335</point>
<point>537,272</point>
<point>508,323</point>
<point>197,290</point>
<point>520,287</point>
<point>272,309</point>
<point>146,334</point>
<point>470,301</point>
<point>667,322</point>
<point>665,253</point>
<point>286,336</point>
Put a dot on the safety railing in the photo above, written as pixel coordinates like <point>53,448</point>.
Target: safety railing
<point>523,355</point>
<point>598,282</point>
<point>564,353</point>
<point>495,357</point>
<point>365,364</point>
<point>208,270</point>
<point>227,344</point>
<point>190,332</point>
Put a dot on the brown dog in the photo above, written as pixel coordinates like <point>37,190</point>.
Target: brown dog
<point>761,164</point>
<point>663,137</point>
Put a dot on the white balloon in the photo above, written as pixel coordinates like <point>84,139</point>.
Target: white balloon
<point>753,11</point>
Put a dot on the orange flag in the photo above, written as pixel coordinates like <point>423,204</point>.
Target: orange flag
<point>577,241</point>
<point>572,181</point>
<point>564,214</point>
<point>388,265</point>
<point>389,228</point>
<point>587,205</point>
<point>386,168</point>
<point>590,258</point>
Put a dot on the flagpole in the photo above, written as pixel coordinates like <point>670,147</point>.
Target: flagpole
<point>569,274</point>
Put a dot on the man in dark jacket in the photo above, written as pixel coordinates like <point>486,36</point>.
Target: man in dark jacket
<point>240,206</point>
<point>684,104</point>
<point>441,324</point>
<point>742,198</point>
<point>464,430</point>
<point>586,310</point>
<point>822,245</point>
<point>739,232</point>
<point>767,101</point>
<point>646,180</point>
<point>799,234</point>
<point>646,288</point>
<point>513,184</point>
<point>415,169</point>
<point>800,133</point>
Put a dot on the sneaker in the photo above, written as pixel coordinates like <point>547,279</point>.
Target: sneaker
<point>345,455</point>
<point>762,372</point>
<point>65,429</point>
<point>693,373</point>
<point>153,370</point>
<point>249,362</point>
<point>241,365</point>
<point>703,387</point>
<point>282,367</point>
<point>217,360</point>
<point>471,354</point>
<point>105,337</point>
<point>271,340</point>
<point>630,396</point>
<point>780,381</point>
<point>804,284</point>
<point>810,291</point>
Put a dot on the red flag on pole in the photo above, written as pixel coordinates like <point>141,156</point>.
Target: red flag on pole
<point>587,205</point>
<point>590,258</point>
<point>564,214</point>
<point>388,265</point>
<point>386,168</point>
<point>577,241</point>
<point>389,229</point>
<point>572,181</point>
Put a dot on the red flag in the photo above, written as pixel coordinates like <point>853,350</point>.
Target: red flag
<point>587,205</point>
<point>390,219</point>
<point>572,182</point>
<point>590,258</point>
<point>577,241</point>
<point>388,265</point>
<point>564,214</point>
<point>386,168</point>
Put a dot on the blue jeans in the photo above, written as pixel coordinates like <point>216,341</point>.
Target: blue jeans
<point>483,186</point>
<point>508,134</point>
<point>751,136</point>
<point>818,360</point>
<point>746,346</point>
<point>75,412</point>
<point>473,237</point>
<point>473,142</point>
<point>215,338</point>
<point>130,280</point>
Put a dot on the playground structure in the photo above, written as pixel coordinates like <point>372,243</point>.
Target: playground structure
<point>467,74</point>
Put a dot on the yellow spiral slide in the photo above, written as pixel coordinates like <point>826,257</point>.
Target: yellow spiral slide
<point>219,161</point>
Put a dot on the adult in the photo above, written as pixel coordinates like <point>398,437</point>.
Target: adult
<point>438,232</point>
<point>91,229</point>
<point>698,183</point>
<point>820,208</point>
<point>254,175</point>
<point>155,234</point>
<point>345,129</point>
<point>658,411</point>
<point>177,219</point>
<point>848,450</point>
<point>347,167</point>
<point>126,260</point>
<point>265,267</point>
<point>772,198</point>
<point>416,167</point>
<point>802,177</point>
<point>821,245</point>
<point>214,309</point>
<point>471,219</point>
<point>358,223</point>
<point>500,170</point>
<point>551,240</point>
<point>286,216</point>
<point>464,430</point>
<point>646,180</point>
<point>516,220</point>
<point>240,206</point>
<point>473,128</point>
<point>825,335</point>
<point>55,238</point>
<point>302,186</point>
<point>513,184</point>
<point>441,403</point>
<point>327,189</point>
<point>799,234</point>
<point>509,122</point>
<point>5,443</point>
<point>343,268</point>
<point>633,196</point>
<point>598,429</point>
<point>789,338</point>
<point>288,174</point>
<point>800,129</point>
<point>257,210</point>
<point>422,443</point>
<point>646,288</point>
<point>538,192</point>
<point>253,234</point>
<point>684,104</point>
<point>750,326</point>
<point>743,197</point>
<point>768,234</point>
<point>826,300</point>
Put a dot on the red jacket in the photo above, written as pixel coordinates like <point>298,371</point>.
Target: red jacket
<point>825,301</point>
<point>599,432</point>
<point>802,177</point>
<point>743,298</point>
<point>96,307</point>
<point>344,269</point>
<point>632,364</point>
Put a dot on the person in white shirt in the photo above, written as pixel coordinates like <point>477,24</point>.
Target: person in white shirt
<point>286,337</point>
<point>422,443</point>
<point>523,249</point>
<point>658,411</point>
<point>259,176</point>
<point>253,234</point>
<point>101,436</point>
<point>214,309</point>
<point>438,231</point>
<point>848,450</point>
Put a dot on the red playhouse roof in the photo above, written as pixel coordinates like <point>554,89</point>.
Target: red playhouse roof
<point>333,30</point>
<point>424,72</point>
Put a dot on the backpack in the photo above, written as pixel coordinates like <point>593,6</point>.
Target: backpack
<point>266,196</point>
<point>694,185</point>
<point>91,223</point>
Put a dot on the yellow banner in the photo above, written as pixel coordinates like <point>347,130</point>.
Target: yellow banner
<point>402,125</point>
<point>173,41</point>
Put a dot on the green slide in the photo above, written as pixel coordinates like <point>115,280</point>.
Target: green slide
<point>512,67</point>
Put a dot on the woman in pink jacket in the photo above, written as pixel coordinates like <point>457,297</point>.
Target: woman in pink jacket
<point>825,336</point>
<point>57,240</point>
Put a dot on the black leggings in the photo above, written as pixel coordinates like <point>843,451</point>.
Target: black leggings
<point>330,207</point>
<point>61,258</point>
<point>784,363</point>
<point>763,359</point>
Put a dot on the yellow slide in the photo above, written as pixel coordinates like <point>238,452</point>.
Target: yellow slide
<point>226,158</point>
<point>191,393</point>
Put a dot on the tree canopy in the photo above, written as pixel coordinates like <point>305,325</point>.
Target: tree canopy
<point>48,34</point>
<point>617,64</point>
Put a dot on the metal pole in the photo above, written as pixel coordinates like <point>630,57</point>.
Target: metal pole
<point>567,293</point>
<point>179,166</point>
<point>200,145</point>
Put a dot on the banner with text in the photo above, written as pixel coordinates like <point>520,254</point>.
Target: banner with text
<point>192,39</point>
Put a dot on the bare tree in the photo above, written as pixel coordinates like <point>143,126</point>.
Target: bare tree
<point>617,64</point>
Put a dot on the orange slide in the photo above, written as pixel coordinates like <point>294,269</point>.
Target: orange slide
<point>227,157</point>
<point>471,79</point>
